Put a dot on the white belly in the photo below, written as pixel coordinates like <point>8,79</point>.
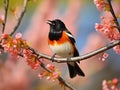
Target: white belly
<point>64,50</point>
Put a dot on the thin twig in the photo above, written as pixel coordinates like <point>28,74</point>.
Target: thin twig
<point>79,58</point>
<point>113,14</point>
<point>6,3</point>
<point>20,18</point>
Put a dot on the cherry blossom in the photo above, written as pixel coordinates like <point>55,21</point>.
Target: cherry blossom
<point>101,4</point>
<point>1,18</point>
<point>110,84</point>
<point>108,28</point>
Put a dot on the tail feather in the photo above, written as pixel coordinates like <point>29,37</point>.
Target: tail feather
<point>78,70</point>
<point>74,69</point>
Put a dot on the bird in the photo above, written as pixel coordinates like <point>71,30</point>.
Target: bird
<point>62,43</point>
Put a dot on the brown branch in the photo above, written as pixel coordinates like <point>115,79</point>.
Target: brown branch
<point>79,58</point>
<point>6,3</point>
<point>20,17</point>
<point>113,14</point>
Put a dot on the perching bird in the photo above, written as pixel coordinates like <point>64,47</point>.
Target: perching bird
<point>62,43</point>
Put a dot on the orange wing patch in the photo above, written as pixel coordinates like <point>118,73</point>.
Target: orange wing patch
<point>62,40</point>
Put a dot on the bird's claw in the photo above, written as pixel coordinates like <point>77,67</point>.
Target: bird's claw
<point>52,58</point>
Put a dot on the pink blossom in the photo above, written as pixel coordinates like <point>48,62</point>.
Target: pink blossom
<point>18,35</point>
<point>115,81</point>
<point>48,78</point>
<point>55,75</point>
<point>51,67</point>
<point>110,84</point>
<point>2,18</point>
<point>107,28</point>
<point>104,56</point>
<point>31,59</point>
<point>4,36</point>
<point>100,4</point>
<point>105,85</point>
<point>98,26</point>
<point>40,75</point>
<point>104,82</point>
<point>117,49</point>
<point>16,46</point>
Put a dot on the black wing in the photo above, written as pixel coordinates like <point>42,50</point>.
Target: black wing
<point>71,37</point>
<point>76,53</point>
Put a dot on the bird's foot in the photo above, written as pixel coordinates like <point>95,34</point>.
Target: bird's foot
<point>52,58</point>
<point>68,59</point>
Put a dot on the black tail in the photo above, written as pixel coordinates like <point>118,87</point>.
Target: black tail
<point>74,69</point>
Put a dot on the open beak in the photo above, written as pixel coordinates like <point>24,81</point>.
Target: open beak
<point>49,22</point>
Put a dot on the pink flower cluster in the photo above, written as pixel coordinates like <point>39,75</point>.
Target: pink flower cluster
<point>31,59</point>
<point>111,84</point>
<point>17,46</point>
<point>104,56</point>
<point>108,28</point>
<point>101,4</point>
<point>13,45</point>
<point>49,75</point>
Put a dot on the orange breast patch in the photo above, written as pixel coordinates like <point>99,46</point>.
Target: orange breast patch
<point>62,40</point>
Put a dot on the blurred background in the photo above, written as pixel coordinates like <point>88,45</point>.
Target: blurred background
<point>80,17</point>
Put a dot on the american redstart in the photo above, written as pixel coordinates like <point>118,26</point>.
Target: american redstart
<point>62,43</point>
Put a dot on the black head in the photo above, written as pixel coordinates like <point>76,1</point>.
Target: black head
<point>56,25</point>
<point>56,28</point>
